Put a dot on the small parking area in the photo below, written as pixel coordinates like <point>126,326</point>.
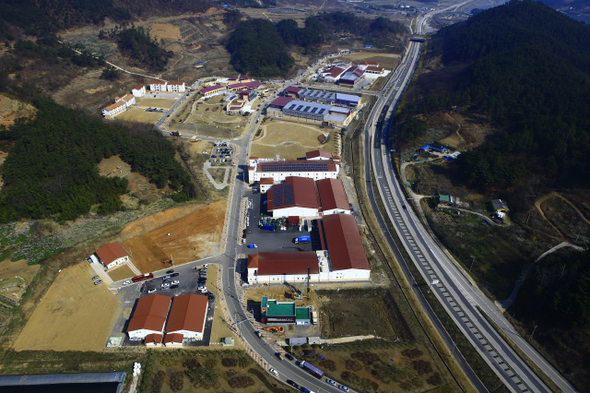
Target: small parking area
<point>272,241</point>
<point>222,152</point>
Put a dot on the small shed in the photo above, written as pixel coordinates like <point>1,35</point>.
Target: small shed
<point>499,206</point>
<point>296,341</point>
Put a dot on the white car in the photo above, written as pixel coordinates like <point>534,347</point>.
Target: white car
<point>342,387</point>
<point>273,372</point>
<point>175,282</point>
<point>203,289</point>
<point>152,290</point>
<point>126,282</point>
<point>165,285</point>
<point>333,383</point>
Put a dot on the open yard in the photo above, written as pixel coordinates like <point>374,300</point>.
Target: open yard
<point>148,101</point>
<point>121,273</point>
<point>140,115</point>
<point>74,315</point>
<point>185,239</point>
<point>385,60</point>
<point>290,140</point>
<point>18,268</point>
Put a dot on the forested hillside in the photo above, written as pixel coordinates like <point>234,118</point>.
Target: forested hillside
<point>259,47</point>
<point>51,169</point>
<point>528,69</point>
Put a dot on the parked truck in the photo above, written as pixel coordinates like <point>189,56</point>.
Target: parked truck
<point>314,317</point>
<point>252,246</point>
<point>302,239</point>
<point>316,372</point>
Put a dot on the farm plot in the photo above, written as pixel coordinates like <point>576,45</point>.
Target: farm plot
<point>74,315</point>
<point>185,239</point>
<point>290,140</point>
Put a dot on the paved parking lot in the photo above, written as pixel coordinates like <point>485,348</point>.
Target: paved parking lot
<point>272,241</point>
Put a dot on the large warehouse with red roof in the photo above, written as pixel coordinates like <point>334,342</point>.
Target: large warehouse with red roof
<point>341,258</point>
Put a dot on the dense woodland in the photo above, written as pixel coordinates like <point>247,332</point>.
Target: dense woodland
<point>260,47</point>
<point>51,170</point>
<point>527,70</point>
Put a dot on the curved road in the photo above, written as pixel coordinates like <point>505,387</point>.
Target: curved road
<point>462,301</point>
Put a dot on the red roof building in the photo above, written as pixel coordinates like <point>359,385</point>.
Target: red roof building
<point>187,316</point>
<point>344,243</point>
<point>292,91</point>
<point>332,196</point>
<point>318,155</point>
<point>296,194</point>
<point>280,102</point>
<point>112,255</point>
<point>149,316</point>
<point>284,263</point>
<point>211,90</point>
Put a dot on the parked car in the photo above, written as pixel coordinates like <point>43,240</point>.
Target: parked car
<point>288,356</point>
<point>278,355</point>
<point>175,275</point>
<point>304,389</point>
<point>344,388</point>
<point>333,383</point>
<point>173,286</point>
<point>97,282</point>
<point>165,285</point>
<point>273,372</point>
<point>292,383</point>
<point>94,278</point>
<point>166,277</point>
<point>126,282</point>
<point>170,271</point>
<point>152,290</point>
<point>175,282</point>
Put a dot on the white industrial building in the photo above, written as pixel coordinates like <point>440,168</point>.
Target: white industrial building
<point>112,255</point>
<point>138,91</point>
<point>278,171</point>
<point>187,318</point>
<point>302,197</point>
<point>149,318</point>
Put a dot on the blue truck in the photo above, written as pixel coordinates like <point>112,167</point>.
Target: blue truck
<point>302,239</point>
<point>316,372</point>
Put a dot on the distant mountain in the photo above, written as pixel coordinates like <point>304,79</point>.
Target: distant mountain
<point>527,68</point>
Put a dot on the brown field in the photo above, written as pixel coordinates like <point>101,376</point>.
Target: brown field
<point>290,140</point>
<point>121,273</point>
<point>140,115</point>
<point>18,268</point>
<point>191,237</point>
<point>159,31</point>
<point>113,166</point>
<point>12,109</point>
<point>74,315</point>
<point>220,328</point>
<point>147,101</point>
<point>386,60</point>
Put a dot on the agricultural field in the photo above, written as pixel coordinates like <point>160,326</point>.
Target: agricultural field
<point>386,60</point>
<point>74,315</point>
<point>290,140</point>
<point>206,371</point>
<point>185,239</point>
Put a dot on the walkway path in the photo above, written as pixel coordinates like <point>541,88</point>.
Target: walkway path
<point>218,186</point>
<point>504,304</point>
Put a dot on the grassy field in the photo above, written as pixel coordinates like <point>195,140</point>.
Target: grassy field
<point>140,115</point>
<point>290,140</point>
<point>74,315</point>
<point>147,101</point>
<point>121,273</point>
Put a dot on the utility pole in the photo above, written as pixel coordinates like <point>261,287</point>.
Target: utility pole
<point>533,333</point>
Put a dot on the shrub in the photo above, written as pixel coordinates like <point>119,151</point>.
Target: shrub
<point>229,362</point>
<point>412,353</point>
<point>422,367</point>
<point>435,379</point>
<point>176,381</point>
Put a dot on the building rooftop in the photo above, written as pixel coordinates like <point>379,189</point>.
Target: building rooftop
<point>293,89</point>
<point>281,101</point>
<point>188,312</point>
<point>115,105</point>
<point>307,107</point>
<point>295,191</point>
<point>150,313</point>
<point>302,313</point>
<point>277,309</point>
<point>332,194</point>
<point>287,263</point>
<point>344,242</point>
<point>212,88</point>
<point>157,83</point>
<point>176,83</point>
<point>138,87</point>
<point>111,252</point>
<point>318,153</point>
<point>297,166</point>
<point>348,97</point>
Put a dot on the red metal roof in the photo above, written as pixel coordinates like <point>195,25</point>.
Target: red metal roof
<point>318,153</point>
<point>294,192</point>
<point>332,194</point>
<point>266,180</point>
<point>111,252</point>
<point>280,102</point>
<point>176,83</point>
<point>188,312</point>
<point>374,68</point>
<point>333,72</point>
<point>344,242</point>
<point>211,88</point>
<point>138,87</point>
<point>293,90</point>
<point>278,263</point>
<point>157,83</point>
<point>153,338</point>
<point>173,338</point>
<point>150,313</point>
<point>296,166</point>
<point>252,261</point>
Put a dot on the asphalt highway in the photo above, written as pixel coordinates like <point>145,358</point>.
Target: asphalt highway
<point>462,301</point>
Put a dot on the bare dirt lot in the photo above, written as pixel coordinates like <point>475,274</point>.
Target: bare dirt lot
<point>185,239</point>
<point>121,273</point>
<point>385,60</point>
<point>290,140</point>
<point>140,115</point>
<point>74,315</point>
<point>18,268</point>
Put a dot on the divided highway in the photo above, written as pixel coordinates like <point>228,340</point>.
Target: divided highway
<point>461,300</point>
